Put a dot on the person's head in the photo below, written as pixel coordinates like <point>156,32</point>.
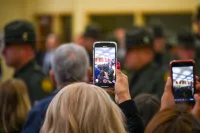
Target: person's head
<point>19,43</point>
<point>148,105</point>
<point>171,44</point>
<point>92,33</point>
<point>159,39</point>
<point>70,64</point>
<point>187,43</point>
<point>52,41</point>
<point>139,47</point>
<point>83,108</point>
<point>14,105</point>
<point>174,120</point>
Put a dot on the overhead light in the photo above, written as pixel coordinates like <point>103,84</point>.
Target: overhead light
<point>186,72</point>
<point>182,76</point>
<point>176,70</point>
<point>98,51</point>
<point>188,77</point>
<point>174,75</point>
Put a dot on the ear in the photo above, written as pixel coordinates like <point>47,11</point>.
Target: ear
<point>52,76</point>
<point>89,75</point>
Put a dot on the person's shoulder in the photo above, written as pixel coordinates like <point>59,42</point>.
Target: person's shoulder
<point>42,104</point>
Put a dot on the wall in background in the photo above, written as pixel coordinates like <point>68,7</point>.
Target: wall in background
<point>26,9</point>
<point>11,10</point>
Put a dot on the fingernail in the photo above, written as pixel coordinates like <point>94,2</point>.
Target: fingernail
<point>118,66</point>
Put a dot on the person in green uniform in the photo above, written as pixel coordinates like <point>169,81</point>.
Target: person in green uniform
<point>186,49</point>
<point>144,75</point>
<point>162,57</point>
<point>19,53</point>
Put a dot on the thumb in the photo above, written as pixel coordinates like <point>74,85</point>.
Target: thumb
<point>168,86</point>
<point>197,99</point>
<point>196,109</point>
<point>118,72</point>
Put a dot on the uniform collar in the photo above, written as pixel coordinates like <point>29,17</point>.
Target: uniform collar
<point>25,67</point>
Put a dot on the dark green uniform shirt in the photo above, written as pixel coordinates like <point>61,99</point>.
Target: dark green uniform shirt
<point>149,79</point>
<point>38,85</point>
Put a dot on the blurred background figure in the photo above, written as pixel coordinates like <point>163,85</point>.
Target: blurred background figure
<point>91,34</point>
<point>14,104</point>
<point>159,43</point>
<point>19,53</point>
<point>172,44</point>
<point>148,105</point>
<point>186,49</point>
<point>173,120</point>
<point>52,43</point>
<point>144,75</point>
<point>186,45</point>
<point>121,49</point>
<point>118,36</point>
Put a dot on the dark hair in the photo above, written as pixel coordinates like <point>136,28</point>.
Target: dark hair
<point>174,120</point>
<point>101,76</point>
<point>148,105</point>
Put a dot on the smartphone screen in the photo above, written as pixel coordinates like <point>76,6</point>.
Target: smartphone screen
<point>104,64</point>
<point>183,82</point>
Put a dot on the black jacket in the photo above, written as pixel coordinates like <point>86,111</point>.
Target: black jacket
<point>133,119</point>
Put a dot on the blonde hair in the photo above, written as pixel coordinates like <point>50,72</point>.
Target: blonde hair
<point>83,108</point>
<point>14,105</point>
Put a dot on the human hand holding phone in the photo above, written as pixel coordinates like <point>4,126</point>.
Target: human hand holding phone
<point>196,110</point>
<point>183,81</point>
<point>167,100</point>
<point>122,93</point>
<point>104,58</point>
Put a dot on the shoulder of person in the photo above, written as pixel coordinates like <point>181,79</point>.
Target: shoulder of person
<point>36,116</point>
<point>42,104</point>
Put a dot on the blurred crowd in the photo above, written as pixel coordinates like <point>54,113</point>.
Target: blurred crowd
<point>50,90</point>
<point>104,73</point>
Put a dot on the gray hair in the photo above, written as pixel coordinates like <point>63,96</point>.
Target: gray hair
<point>70,63</point>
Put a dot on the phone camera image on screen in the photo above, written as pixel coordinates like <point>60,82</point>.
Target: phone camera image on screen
<point>183,83</point>
<point>105,64</point>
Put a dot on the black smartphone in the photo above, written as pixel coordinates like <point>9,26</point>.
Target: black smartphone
<point>183,80</point>
<point>104,65</point>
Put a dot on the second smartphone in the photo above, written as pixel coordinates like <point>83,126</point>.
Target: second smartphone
<point>104,66</point>
<point>183,80</point>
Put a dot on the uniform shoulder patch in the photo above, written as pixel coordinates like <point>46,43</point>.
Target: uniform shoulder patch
<point>47,85</point>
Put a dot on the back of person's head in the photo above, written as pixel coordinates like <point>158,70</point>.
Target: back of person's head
<point>14,105</point>
<point>70,64</point>
<point>148,105</point>
<point>83,108</point>
<point>174,120</point>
